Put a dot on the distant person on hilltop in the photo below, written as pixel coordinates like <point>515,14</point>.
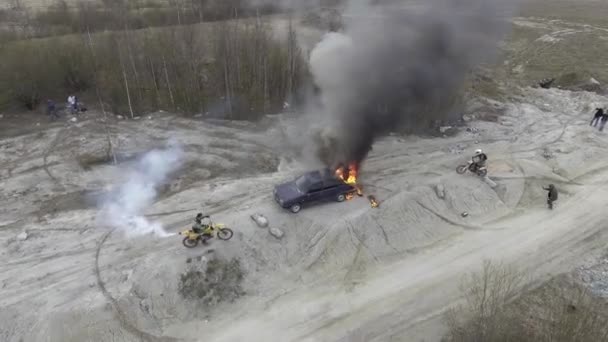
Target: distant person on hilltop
<point>599,112</point>
<point>603,120</point>
<point>71,103</point>
<point>551,195</point>
<point>51,109</point>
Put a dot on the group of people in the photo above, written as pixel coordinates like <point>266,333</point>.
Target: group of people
<point>73,107</point>
<point>600,117</point>
<point>479,160</point>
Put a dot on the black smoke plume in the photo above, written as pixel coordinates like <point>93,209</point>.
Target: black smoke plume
<point>399,66</point>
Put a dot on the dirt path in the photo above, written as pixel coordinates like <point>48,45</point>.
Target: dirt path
<point>400,298</point>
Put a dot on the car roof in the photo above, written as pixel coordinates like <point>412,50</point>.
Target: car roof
<point>323,175</point>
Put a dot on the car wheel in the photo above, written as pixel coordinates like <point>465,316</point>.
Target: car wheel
<point>295,208</point>
<point>340,198</point>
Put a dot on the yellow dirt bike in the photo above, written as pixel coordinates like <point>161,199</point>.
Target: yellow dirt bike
<point>191,238</point>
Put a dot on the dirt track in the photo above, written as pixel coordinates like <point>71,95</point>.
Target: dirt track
<point>405,299</point>
<point>343,271</point>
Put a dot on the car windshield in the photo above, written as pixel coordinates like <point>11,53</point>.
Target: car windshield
<point>303,184</point>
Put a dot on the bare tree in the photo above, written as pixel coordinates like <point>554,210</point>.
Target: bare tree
<point>101,105</point>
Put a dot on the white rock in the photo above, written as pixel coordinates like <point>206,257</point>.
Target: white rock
<point>120,117</point>
<point>73,119</point>
<point>276,232</point>
<point>136,117</point>
<point>260,220</point>
<point>444,129</point>
<point>149,118</point>
<point>594,81</point>
<point>23,236</point>
<point>440,191</point>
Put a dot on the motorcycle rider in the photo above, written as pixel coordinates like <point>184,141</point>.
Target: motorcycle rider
<point>479,159</point>
<point>551,195</point>
<point>198,226</point>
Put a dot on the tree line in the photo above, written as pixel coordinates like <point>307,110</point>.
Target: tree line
<point>233,68</point>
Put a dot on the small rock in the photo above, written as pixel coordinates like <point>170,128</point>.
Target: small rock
<point>136,117</point>
<point>444,129</point>
<point>126,275</point>
<point>120,117</point>
<point>276,232</point>
<point>199,115</point>
<point>260,220</point>
<point>464,214</point>
<point>73,119</point>
<point>586,278</point>
<point>440,191</point>
<point>149,118</point>
<point>23,236</point>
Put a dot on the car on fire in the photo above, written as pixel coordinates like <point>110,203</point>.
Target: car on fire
<point>314,186</point>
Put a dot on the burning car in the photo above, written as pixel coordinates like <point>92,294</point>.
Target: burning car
<point>315,186</point>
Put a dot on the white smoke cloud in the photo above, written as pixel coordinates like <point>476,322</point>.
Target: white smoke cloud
<point>124,207</point>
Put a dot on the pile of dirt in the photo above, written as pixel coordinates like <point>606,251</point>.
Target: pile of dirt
<point>215,281</point>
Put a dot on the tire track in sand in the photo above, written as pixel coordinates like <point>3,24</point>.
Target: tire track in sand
<point>119,313</point>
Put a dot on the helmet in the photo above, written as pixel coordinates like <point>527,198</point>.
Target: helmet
<point>478,151</point>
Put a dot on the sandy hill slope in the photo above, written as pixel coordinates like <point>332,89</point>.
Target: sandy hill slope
<point>341,271</point>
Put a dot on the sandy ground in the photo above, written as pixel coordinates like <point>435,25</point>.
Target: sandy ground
<point>343,271</point>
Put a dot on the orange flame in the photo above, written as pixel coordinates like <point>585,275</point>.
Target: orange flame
<point>348,174</point>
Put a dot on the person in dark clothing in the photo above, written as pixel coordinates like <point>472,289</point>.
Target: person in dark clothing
<point>198,226</point>
<point>76,105</point>
<point>551,195</point>
<point>51,109</point>
<point>479,158</point>
<point>599,112</point>
<point>603,120</point>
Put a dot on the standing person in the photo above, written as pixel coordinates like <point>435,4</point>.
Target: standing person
<point>71,101</point>
<point>603,120</point>
<point>551,195</point>
<point>599,112</point>
<point>51,109</point>
<point>75,104</point>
